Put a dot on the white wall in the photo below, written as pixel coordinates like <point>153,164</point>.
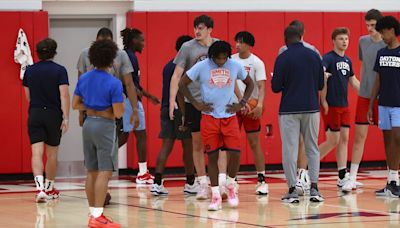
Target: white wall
<point>20,5</point>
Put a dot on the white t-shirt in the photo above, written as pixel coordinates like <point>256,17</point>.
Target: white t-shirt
<point>256,69</point>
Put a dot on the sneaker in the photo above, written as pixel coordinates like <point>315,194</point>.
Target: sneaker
<point>392,190</point>
<point>216,203</point>
<point>107,199</point>
<point>303,183</point>
<point>40,197</point>
<point>158,190</point>
<point>291,196</point>
<point>359,184</point>
<point>381,192</point>
<point>146,178</point>
<point>315,196</point>
<point>223,191</point>
<point>262,188</point>
<point>202,194</point>
<point>236,186</point>
<point>53,194</point>
<point>340,182</point>
<point>102,221</point>
<point>233,199</point>
<point>349,185</point>
<point>191,189</point>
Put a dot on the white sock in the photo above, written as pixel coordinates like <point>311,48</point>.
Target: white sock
<point>393,176</point>
<point>142,168</point>
<point>230,181</point>
<point>222,179</point>
<point>49,185</point>
<point>39,182</point>
<point>97,211</point>
<point>353,171</point>
<point>91,210</point>
<point>203,180</point>
<point>215,191</point>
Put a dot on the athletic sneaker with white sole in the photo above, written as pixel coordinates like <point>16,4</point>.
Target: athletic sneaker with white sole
<point>41,197</point>
<point>349,185</point>
<point>158,190</point>
<point>202,194</point>
<point>315,196</point>
<point>262,188</point>
<point>303,183</point>
<point>233,199</point>
<point>191,189</point>
<point>291,196</point>
<point>216,204</point>
<point>340,182</point>
<point>391,190</point>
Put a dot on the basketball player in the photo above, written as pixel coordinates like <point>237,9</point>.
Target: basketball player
<point>387,87</point>
<point>303,179</point>
<point>172,130</point>
<point>133,41</point>
<point>190,53</point>
<point>46,90</point>
<point>368,46</point>
<point>122,69</point>
<point>100,95</point>
<point>299,75</point>
<point>335,102</point>
<point>251,121</point>
<point>219,126</point>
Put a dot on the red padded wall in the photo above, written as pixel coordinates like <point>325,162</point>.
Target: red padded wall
<point>13,115</point>
<point>268,29</point>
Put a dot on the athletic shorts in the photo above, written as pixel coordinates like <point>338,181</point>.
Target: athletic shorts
<point>250,125</point>
<point>337,117</point>
<point>126,118</point>
<point>192,117</point>
<point>44,126</point>
<point>99,144</point>
<point>362,110</point>
<point>170,128</point>
<point>389,117</point>
<point>220,134</point>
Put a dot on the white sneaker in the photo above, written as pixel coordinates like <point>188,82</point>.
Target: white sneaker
<point>223,192</point>
<point>303,183</point>
<point>341,182</point>
<point>41,197</point>
<point>191,189</point>
<point>349,185</point>
<point>216,204</point>
<point>202,194</point>
<point>359,184</point>
<point>233,199</point>
<point>158,190</point>
<point>261,188</point>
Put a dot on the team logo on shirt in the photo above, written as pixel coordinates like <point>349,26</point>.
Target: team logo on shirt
<point>389,61</point>
<point>343,67</point>
<point>247,68</point>
<point>220,78</point>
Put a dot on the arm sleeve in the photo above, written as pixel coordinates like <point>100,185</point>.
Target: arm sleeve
<point>360,50</point>
<point>25,80</point>
<point>321,76</point>
<point>63,77</point>
<point>326,62</point>
<point>377,67</point>
<point>194,72</point>
<point>259,68</point>
<point>351,69</point>
<point>81,66</point>
<point>116,93</point>
<point>242,73</point>
<point>181,58</point>
<point>278,76</point>
<point>126,65</point>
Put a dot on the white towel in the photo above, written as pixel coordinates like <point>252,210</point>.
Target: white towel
<point>22,53</point>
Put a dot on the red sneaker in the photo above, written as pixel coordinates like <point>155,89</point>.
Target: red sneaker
<point>146,178</point>
<point>53,194</point>
<point>102,222</point>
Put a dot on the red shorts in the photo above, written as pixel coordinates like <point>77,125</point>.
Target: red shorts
<point>337,117</point>
<point>362,110</point>
<point>220,134</point>
<point>250,125</point>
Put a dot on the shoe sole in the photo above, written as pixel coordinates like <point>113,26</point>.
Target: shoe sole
<point>189,192</point>
<point>316,199</point>
<point>215,209</point>
<point>144,181</point>
<point>261,193</point>
<point>291,200</point>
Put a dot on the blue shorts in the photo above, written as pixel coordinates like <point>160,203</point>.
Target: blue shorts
<point>389,117</point>
<point>126,118</point>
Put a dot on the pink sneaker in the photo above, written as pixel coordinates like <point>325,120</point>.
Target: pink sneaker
<point>216,203</point>
<point>233,199</point>
<point>53,194</point>
<point>146,178</point>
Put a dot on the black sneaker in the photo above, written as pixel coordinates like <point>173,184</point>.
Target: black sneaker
<point>392,190</point>
<point>291,196</point>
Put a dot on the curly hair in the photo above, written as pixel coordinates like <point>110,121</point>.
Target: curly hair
<point>128,35</point>
<point>102,53</point>
<point>388,22</point>
<point>181,40</point>
<point>219,47</point>
<point>46,49</point>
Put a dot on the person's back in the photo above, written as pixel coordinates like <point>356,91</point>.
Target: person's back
<point>43,80</point>
<point>300,77</point>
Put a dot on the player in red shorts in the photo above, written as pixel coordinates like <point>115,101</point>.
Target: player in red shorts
<point>219,126</point>
<point>339,71</point>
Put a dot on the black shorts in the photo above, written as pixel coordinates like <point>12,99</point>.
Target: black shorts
<point>170,128</point>
<point>44,126</point>
<point>192,117</point>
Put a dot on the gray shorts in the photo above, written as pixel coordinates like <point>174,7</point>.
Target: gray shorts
<point>99,144</point>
